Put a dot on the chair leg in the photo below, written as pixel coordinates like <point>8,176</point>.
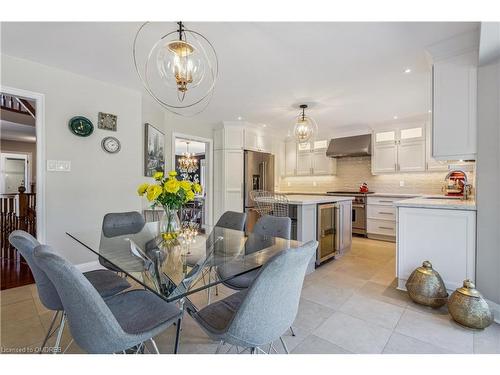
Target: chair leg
<point>154,346</point>
<point>284,345</point>
<point>57,346</point>
<point>177,336</point>
<point>291,330</point>
<point>219,347</point>
<point>49,332</point>
<point>253,351</point>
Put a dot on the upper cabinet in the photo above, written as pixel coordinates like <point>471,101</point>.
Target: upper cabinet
<point>257,141</point>
<point>399,150</point>
<point>454,97</point>
<point>308,159</point>
<point>230,137</point>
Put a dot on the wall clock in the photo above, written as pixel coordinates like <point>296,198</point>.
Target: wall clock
<point>81,126</point>
<point>111,145</point>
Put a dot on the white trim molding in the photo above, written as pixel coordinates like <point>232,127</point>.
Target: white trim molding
<point>209,152</point>
<point>40,155</point>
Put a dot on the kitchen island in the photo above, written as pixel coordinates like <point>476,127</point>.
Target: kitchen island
<point>325,218</point>
<point>441,230</point>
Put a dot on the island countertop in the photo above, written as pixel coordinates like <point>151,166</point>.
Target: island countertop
<point>315,199</point>
<point>443,203</point>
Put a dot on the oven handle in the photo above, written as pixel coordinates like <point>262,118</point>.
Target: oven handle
<point>359,205</point>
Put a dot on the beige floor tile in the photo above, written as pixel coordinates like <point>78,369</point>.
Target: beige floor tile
<point>377,312</point>
<point>385,276</point>
<point>19,311</point>
<point>313,344</point>
<point>359,268</point>
<point>436,330</point>
<point>487,341</point>
<point>384,293</point>
<point>40,308</point>
<point>327,294</point>
<point>353,334</point>
<point>14,295</point>
<point>400,344</point>
<point>442,311</point>
<point>311,315</point>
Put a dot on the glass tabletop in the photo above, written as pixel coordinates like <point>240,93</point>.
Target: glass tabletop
<point>174,269</point>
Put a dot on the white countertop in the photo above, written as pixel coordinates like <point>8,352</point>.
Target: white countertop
<point>315,199</point>
<point>449,204</point>
<point>396,195</point>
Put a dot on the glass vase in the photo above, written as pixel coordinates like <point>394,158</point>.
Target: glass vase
<point>170,225</point>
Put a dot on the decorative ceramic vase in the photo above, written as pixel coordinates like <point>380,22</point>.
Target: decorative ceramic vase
<point>426,287</point>
<point>170,225</point>
<point>468,307</point>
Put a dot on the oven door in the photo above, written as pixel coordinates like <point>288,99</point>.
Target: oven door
<point>358,218</point>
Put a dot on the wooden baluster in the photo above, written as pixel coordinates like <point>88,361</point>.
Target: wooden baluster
<point>23,209</point>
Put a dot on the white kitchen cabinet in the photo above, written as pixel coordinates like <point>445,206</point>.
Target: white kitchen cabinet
<point>454,96</point>
<point>454,134</point>
<point>229,137</point>
<point>445,237</point>
<point>384,158</point>
<point>382,217</point>
<point>255,140</point>
<point>399,150</point>
<point>228,181</point>
<point>431,163</point>
<point>344,227</point>
<point>304,163</point>
<point>290,158</point>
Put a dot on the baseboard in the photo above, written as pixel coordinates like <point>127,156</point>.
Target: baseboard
<point>89,266</point>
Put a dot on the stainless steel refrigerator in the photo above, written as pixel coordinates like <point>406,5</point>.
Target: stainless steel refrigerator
<point>259,175</point>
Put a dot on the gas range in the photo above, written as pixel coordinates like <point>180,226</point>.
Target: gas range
<point>358,209</point>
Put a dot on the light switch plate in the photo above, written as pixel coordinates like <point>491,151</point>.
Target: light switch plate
<point>58,165</point>
<point>401,183</point>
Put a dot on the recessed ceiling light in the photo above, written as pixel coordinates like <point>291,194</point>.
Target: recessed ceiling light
<point>429,111</point>
<point>264,125</point>
<point>407,70</point>
<point>395,117</point>
<point>240,118</point>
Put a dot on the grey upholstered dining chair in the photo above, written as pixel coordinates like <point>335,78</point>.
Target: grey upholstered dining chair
<point>266,226</point>
<point>106,283</point>
<point>119,224</point>
<point>262,313</point>
<point>124,321</point>
<point>232,220</point>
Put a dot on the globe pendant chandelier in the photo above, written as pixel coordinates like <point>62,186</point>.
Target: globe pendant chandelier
<point>178,68</point>
<point>187,163</point>
<point>305,127</point>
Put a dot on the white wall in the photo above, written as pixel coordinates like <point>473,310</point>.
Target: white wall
<point>98,182</point>
<point>488,165</point>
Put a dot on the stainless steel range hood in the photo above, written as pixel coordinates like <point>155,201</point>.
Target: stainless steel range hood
<point>359,145</point>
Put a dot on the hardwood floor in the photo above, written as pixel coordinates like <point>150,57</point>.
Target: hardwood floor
<point>14,273</point>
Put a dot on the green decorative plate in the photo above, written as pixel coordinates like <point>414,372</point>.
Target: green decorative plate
<point>81,126</point>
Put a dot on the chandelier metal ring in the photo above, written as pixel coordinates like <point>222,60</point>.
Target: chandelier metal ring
<point>212,67</point>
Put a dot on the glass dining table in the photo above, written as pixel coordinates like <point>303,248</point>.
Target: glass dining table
<point>175,269</point>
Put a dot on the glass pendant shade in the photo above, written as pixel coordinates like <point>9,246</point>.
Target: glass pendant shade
<point>178,69</point>
<point>305,127</point>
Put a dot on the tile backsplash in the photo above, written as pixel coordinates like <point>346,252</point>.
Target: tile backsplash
<point>352,172</point>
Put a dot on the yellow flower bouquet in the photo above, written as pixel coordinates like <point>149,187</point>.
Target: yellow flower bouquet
<point>171,194</point>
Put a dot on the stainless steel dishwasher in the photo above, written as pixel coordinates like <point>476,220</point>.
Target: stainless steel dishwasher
<point>327,231</point>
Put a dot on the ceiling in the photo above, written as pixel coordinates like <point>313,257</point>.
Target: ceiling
<point>351,74</point>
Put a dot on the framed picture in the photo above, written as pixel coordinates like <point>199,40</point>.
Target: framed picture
<point>154,150</point>
<point>106,121</point>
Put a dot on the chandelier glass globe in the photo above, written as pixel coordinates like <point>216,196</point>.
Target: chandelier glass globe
<point>305,127</point>
<point>178,68</point>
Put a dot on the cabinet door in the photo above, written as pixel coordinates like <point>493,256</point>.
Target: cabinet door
<point>321,164</point>
<point>454,110</point>
<point>431,163</point>
<point>290,158</point>
<point>411,156</point>
<point>233,138</point>
<point>264,144</point>
<point>233,180</point>
<point>384,158</point>
<point>304,163</point>
<point>251,140</point>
